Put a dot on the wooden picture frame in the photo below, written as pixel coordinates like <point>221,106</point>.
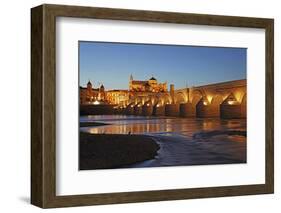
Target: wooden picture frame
<point>43,105</point>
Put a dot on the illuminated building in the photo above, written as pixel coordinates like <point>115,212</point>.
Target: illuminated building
<point>150,85</point>
<point>90,95</point>
<point>120,97</point>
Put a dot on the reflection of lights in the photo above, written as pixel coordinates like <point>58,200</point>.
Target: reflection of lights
<point>205,103</point>
<point>158,105</point>
<point>147,104</point>
<point>139,105</point>
<point>93,131</point>
<point>96,102</point>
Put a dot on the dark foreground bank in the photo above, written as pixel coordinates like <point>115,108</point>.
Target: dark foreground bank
<point>91,124</point>
<point>105,151</point>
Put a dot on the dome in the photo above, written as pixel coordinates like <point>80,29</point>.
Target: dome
<point>89,83</point>
<point>152,79</point>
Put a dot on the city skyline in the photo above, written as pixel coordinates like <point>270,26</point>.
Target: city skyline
<point>175,64</point>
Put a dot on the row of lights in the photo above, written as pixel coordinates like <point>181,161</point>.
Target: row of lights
<point>205,103</point>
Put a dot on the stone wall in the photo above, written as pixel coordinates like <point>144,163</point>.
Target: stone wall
<point>172,110</point>
<point>158,111</point>
<point>207,111</point>
<point>96,109</point>
<point>230,111</point>
<point>147,110</point>
<point>187,110</point>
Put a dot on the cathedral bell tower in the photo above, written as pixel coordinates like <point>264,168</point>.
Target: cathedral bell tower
<point>131,82</point>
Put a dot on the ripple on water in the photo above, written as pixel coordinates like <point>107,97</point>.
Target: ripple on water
<point>183,141</point>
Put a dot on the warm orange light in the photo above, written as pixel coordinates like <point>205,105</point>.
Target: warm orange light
<point>232,102</point>
<point>96,102</point>
<point>209,98</point>
<point>205,103</point>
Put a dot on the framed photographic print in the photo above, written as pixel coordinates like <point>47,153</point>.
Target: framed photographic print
<point>136,106</point>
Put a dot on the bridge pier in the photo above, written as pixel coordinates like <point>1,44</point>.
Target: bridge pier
<point>122,111</point>
<point>243,109</point>
<point>129,110</point>
<point>137,110</point>
<point>206,110</point>
<point>187,110</point>
<point>230,111</point>
<point>117,111</point>
<point>172,110</point>
<point>147,110</point>
<point>158,110</point>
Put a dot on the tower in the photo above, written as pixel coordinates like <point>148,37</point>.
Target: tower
<point>102,93</point>
<point>152,81</point>
<point>131,82</point>
<point>89,93</point>
<point>172,92</point>
<point>89,85</point>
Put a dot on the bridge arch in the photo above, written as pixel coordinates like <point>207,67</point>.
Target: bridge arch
<point>165,99</point>
<point>230,107</point>
<point>130,109</point>
<point>217,100</point>
<point>209,105</point>
<point>238,93</point>
<point>138,108</point>
<point>148,102</point>
<point>147,108</point>
<point>181,98</point>
<point>197,95</point>
<point>231,99</point>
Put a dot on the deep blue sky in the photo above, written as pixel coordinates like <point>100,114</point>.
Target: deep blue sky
<point>112,64</point>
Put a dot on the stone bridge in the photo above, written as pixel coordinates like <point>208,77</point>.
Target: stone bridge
<point>225,100</point>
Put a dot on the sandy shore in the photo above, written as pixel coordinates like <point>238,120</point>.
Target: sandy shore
<point>104,151</point>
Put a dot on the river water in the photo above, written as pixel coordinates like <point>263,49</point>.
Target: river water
<point>183,141</point>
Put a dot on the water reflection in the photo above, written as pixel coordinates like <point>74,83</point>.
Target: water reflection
<point>122,124</point>
<point>176,137</point>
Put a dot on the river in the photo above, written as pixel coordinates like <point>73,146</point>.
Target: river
<point>183,141</point>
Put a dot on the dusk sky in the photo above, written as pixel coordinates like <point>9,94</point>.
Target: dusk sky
<point>112,64</point>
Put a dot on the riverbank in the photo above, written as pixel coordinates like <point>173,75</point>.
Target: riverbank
<point>180,150</point>
<point>88,124</point>
<point>108,151</point>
